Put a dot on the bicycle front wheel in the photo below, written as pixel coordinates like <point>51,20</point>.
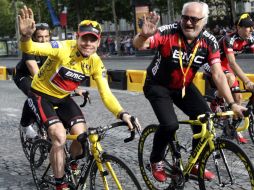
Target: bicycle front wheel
<point>144,151</point>
<point>125,176</point>
<point>230,164</point>
<point>40,166</point>
<point>251,127</point>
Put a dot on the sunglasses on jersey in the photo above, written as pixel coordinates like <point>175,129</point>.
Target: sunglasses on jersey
<point>42,26</point>
<point>192,19</point>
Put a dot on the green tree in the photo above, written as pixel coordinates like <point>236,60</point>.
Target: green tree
<point>7,19</point>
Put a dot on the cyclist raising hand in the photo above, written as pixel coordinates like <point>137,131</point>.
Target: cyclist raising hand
<point>183,47</point>
<point>69,63</point>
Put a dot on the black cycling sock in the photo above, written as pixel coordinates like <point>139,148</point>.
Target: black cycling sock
<point>59,181</point>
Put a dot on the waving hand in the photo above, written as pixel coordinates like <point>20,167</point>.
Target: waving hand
<point>26,22</point>
<point>150,23</point>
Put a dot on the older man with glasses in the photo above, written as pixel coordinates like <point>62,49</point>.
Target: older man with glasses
<point>182,48</point>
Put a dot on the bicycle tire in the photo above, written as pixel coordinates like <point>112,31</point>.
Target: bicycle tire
<point>239,165</point>
<point>251,127</point>
<point>25,143</point>
<point>124,174</point>
<point>144,151</point>
<point>40,166</point>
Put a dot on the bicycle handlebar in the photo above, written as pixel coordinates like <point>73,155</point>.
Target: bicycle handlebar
<point>204,118</point>
<point>102,129</point>
<point>241,91</point>
<point>86,98</point>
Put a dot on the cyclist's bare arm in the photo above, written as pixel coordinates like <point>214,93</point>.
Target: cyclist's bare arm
<point>223,88</point>
<point>32,67</point>
<point>238,71</point>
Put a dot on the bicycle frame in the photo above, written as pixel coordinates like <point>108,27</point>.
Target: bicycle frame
<point>206,136</point>
<point>96,152</point>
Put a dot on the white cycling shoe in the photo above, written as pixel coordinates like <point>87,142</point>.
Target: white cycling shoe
<point>29,131</point>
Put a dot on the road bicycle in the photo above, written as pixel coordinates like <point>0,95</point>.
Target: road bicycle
<point>226,159</point>
<point>40,129</point>
<point>104,171</point>
<point>229,126</point>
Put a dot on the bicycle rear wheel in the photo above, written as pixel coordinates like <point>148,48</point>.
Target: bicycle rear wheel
<point>234,171</point>
<point>27,143</point>
<point>40,166</point>
<point>124,174</point>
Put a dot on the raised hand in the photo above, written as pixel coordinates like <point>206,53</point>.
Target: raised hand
<point>150,23</point>
<point>26,22</point>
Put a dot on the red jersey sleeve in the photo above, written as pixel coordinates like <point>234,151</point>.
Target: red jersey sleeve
<point>228,45</point>
<point>156,40</point>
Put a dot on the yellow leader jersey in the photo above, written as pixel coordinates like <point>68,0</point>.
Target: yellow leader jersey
<point>66,68</point>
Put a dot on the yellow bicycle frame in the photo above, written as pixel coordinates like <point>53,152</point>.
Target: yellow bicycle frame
<point>206,136</point>
<point>96,151</point>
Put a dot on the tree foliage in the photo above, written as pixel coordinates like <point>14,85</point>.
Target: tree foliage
<point>100,10</point>
<point>7,18</point>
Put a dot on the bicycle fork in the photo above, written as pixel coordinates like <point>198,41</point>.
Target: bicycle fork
<point>98,155</point>
<point>216,156</point>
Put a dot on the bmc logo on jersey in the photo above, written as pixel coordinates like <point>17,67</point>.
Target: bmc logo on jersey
<point>198,59</point>
<point>167,27</point>
<point>66,73</point>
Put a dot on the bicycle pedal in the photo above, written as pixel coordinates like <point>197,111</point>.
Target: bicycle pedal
<point>184,148</point>
<point>148,167</point>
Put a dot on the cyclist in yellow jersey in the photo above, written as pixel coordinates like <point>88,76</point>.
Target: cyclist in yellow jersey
<point>69,63</point>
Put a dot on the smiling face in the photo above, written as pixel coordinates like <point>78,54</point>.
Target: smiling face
<point>88,44</point>
<point>192,21</point>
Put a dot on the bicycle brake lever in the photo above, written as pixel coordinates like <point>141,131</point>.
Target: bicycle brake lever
<point>133,133</point>
<point>131,137</point>
<point>86,98</point>
<point>247,112</point>
<point>135,125</point>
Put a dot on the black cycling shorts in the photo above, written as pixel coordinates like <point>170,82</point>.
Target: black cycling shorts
<point>50,110</point>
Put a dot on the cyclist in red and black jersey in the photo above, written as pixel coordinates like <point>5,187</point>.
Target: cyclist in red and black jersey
<point>238,42</point>
<point>182,49</point>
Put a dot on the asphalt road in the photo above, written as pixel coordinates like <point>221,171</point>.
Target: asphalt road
<point>15,172</point>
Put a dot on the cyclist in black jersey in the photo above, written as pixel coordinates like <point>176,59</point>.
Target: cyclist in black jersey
<point>27,67</point>
<point>182,48</point>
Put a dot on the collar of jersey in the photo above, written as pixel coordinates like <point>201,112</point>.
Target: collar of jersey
<point>76,55</point>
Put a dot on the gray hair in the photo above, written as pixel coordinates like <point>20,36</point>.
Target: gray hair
<point>204,7</point>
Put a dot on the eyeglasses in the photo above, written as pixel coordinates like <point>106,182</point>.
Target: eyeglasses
<point>192,19</point>
<point>42,26</point>
<point>87,23</point>
<point>243,16</point>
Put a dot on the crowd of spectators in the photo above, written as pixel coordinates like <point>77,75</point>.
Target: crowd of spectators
<point>219,32</point>
<point>109,47</point>
<point>108,44</point>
